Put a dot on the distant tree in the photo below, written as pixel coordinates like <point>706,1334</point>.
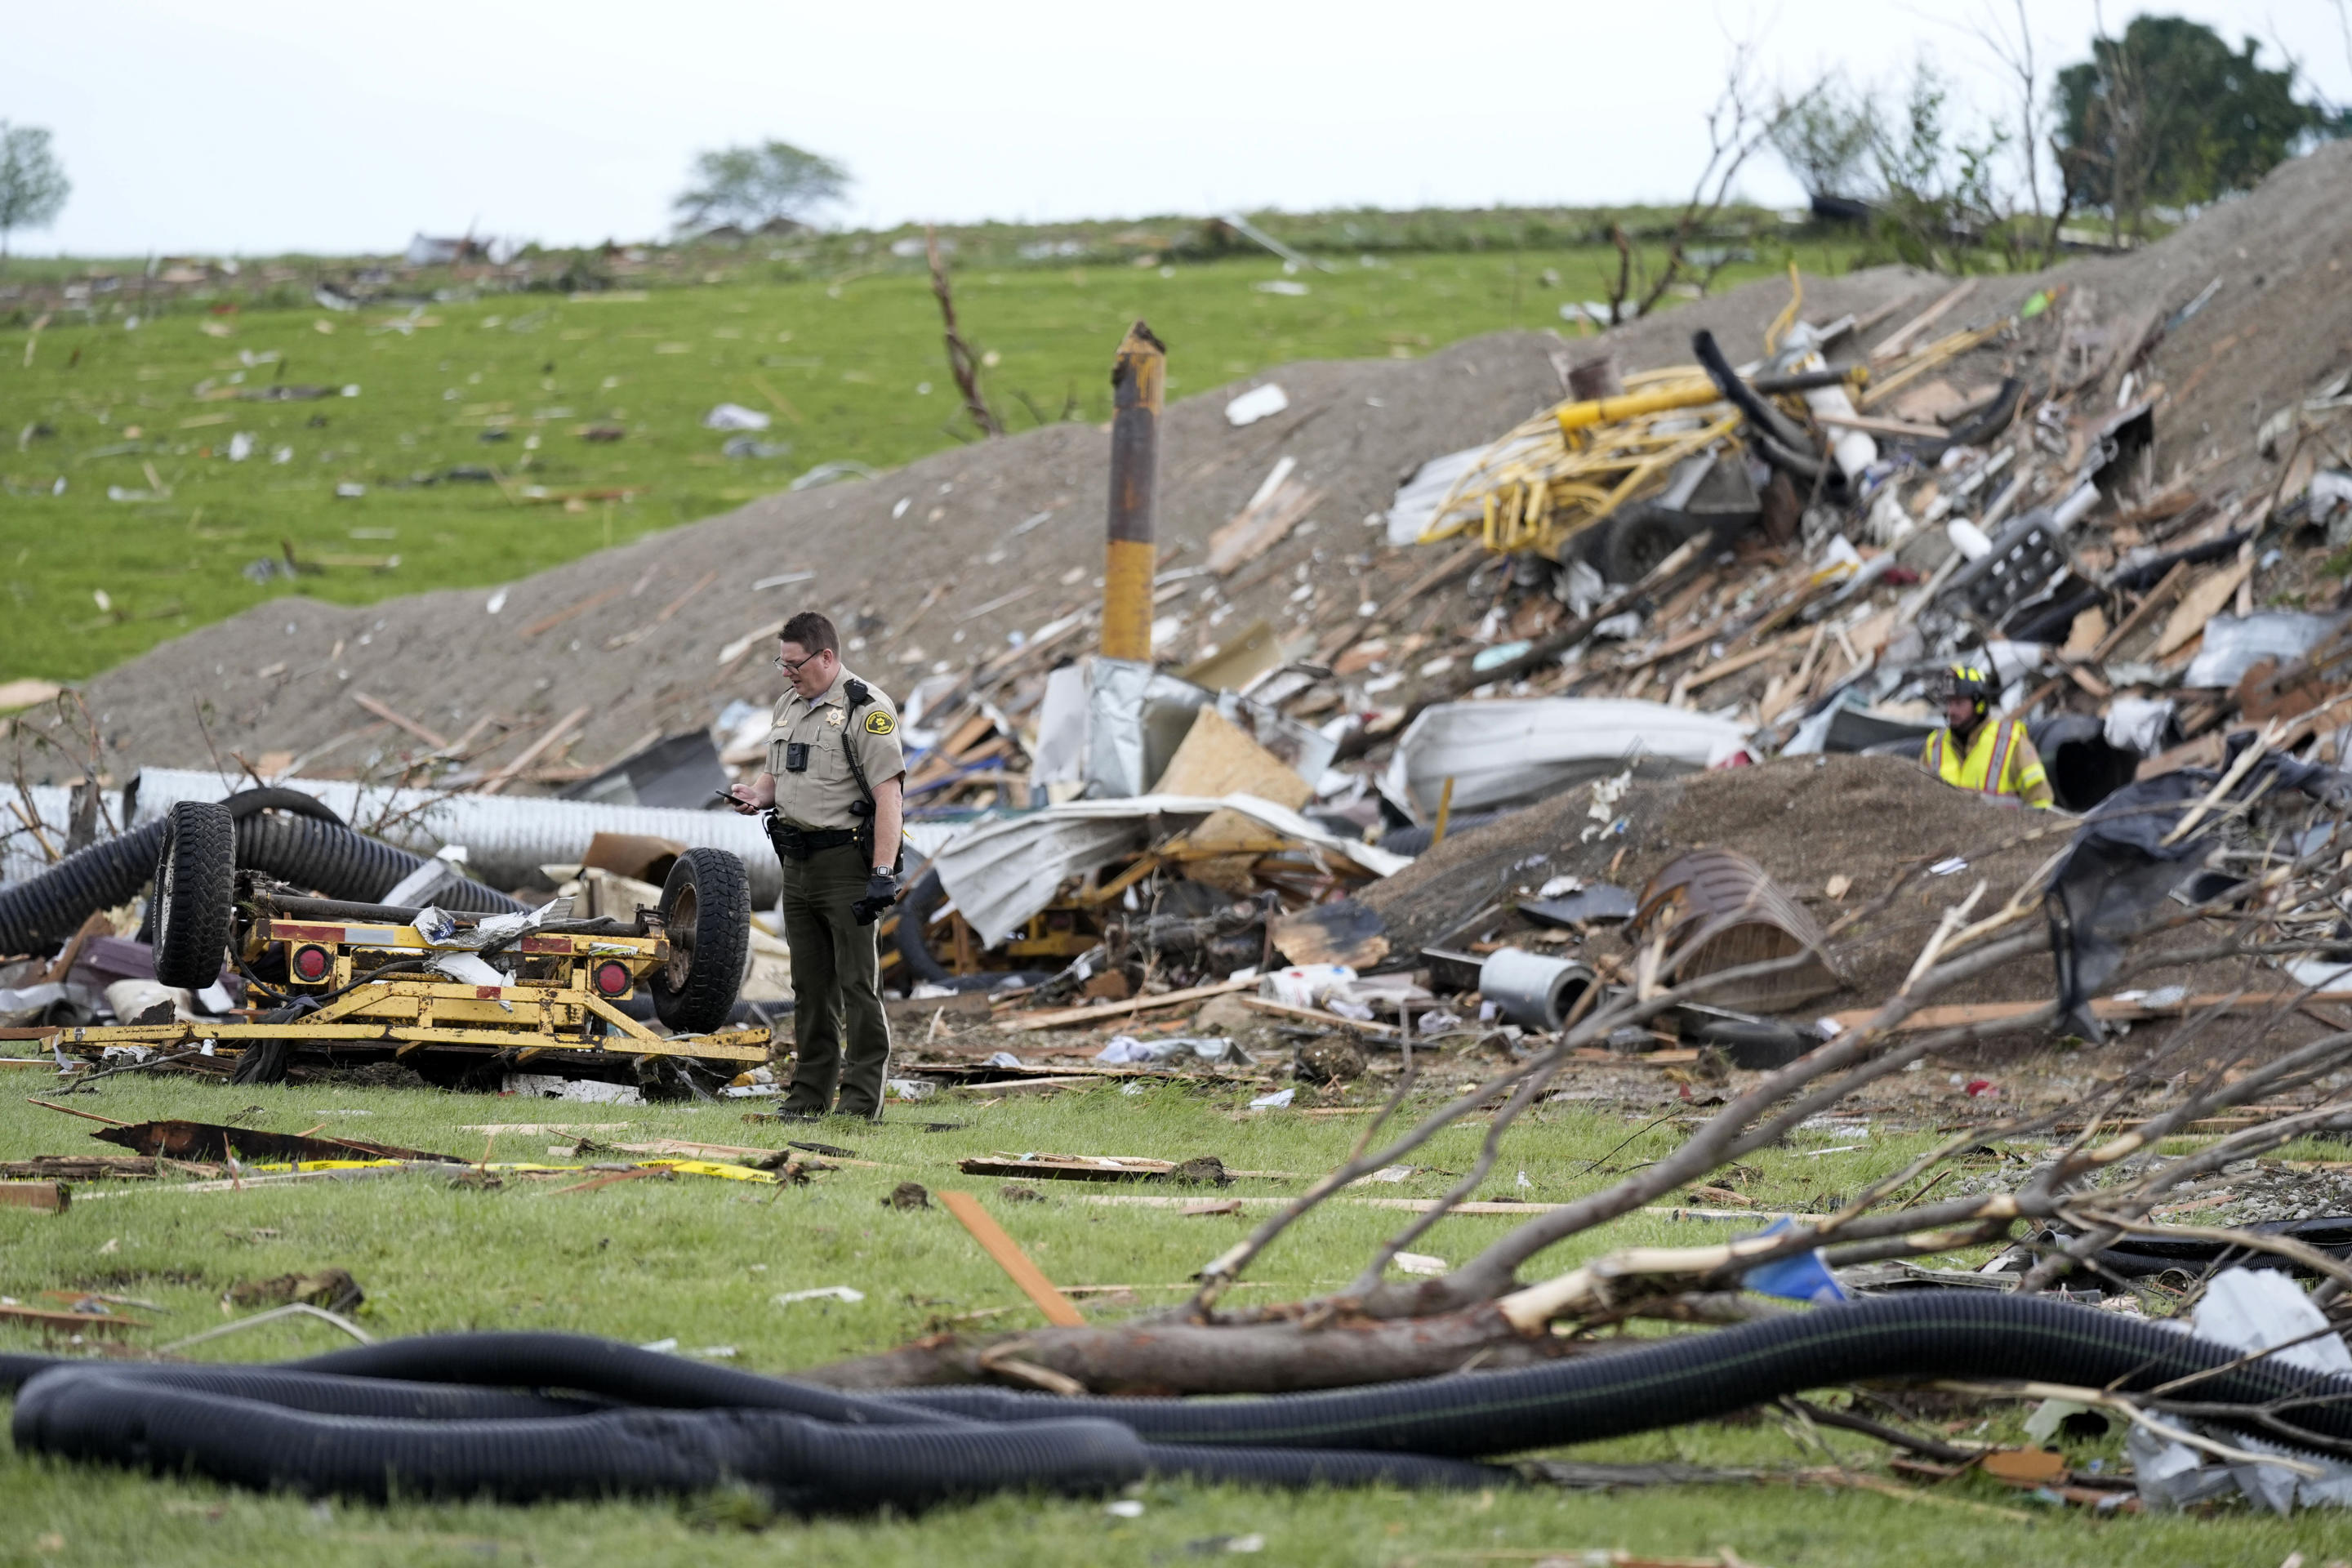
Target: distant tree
<point>2169,115</point>
<point>1937,193</point>
<point>1825,135</point>
<point>1931,184</point>
<point>33,188</point>
<point>749,187</point>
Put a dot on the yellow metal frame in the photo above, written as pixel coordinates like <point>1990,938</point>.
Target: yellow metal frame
<point>1570,469</point>
<point>560,1020</point>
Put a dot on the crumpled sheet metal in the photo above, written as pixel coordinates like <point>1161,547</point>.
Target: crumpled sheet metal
<point>1719,911</point>
<point>1000,873</point>
<point>1136,715</point>
<point>1509,750</point>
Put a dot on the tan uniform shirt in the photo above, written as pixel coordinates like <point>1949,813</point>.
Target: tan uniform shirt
<point>821,794</point>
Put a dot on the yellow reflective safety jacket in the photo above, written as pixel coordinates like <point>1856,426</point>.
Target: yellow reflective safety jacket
<point>2000,763</point>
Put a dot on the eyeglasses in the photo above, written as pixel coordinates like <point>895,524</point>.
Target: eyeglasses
<point>793,666</point>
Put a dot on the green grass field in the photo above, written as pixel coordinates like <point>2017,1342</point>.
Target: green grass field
<point>142,476</point>
<point>699,1261</point>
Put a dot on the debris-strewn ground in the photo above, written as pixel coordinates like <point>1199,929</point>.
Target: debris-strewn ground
<point>700,1262</point>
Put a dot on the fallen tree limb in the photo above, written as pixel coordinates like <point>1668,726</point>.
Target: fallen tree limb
<point>1268,1357</point>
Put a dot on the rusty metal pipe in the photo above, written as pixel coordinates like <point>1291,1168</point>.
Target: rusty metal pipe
<point>1138,380</point>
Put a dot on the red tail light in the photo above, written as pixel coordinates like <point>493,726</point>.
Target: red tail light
<point>612,978</point>
<point>310,964</point>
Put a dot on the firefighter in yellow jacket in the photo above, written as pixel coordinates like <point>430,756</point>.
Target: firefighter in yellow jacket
<point>1975,751</point>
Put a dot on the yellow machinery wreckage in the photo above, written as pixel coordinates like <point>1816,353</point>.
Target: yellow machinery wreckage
<point>460,998</point>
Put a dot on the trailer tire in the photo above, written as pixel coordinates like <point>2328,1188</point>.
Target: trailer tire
<point>195,878</point>
<point>706,913</point>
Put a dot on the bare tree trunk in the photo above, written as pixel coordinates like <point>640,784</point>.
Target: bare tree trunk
<point>963,364</point>
<point>1158,1357</point>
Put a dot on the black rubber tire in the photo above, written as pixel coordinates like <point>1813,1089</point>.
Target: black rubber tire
<point>914,915</point>
<point>196,880</point>
<point>251,802</point>
<point>706,911</point>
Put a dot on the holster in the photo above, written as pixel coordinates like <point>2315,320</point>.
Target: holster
<point>799,843</point>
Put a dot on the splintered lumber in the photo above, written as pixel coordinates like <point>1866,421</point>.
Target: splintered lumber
<point>550,622</point>
<point>2158,598</point>
<point>2198,604</point>
<point>42,1169</point>
<point>1894,342</point>
<point>210,1141</point>
<point>1055,1020</point>
<point>392,716</point>
<point>1108,1168</point>
<point>1012,1259</point>
<point>531,753</point>
<point>41,1197</point>
<point>71,1322</point>
<point>1317,1016</point>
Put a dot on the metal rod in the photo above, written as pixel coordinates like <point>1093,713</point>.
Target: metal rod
<point>1138,381</point>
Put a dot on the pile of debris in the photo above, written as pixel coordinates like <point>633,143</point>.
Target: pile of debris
<point>1743,534</point>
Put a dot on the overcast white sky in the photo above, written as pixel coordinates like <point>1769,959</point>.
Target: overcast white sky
<point>256,126</point>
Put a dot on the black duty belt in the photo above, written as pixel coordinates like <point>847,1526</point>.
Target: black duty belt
<point>799,843</point>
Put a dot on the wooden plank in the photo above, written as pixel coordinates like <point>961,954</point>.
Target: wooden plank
<point>1055,1020</point>
<point>550,622</point>
<point>2199,605</point>
<point>1260,527</point>
<point>62,965</point>
<point>1317,1016</point>
<point>73,1323</point>
<point>1739,661</point>
<point>41,1197</point>
<point>1894,342</point>
<point>1012,1259</point>
<point>2157,598</point>
<point>1217,759</point>
<point>402,720</point>
<point>1093,1168</point>
<point>505,775</point>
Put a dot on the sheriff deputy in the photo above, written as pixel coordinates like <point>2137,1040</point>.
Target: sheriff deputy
<point>832,788</point>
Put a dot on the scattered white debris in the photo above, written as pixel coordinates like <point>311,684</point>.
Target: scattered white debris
<point>1258,403</point>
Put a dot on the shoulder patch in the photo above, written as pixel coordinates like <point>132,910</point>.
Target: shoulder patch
<point>879,723</point>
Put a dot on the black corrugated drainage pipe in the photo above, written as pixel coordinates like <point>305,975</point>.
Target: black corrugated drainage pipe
<point>342,1422</point>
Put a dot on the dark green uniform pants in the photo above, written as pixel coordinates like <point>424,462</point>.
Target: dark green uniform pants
<point>836,985</point>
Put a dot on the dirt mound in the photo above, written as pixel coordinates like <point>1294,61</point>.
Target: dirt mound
<point>942,559</point>
<point>1805,820</point>
<point>1875,821</point>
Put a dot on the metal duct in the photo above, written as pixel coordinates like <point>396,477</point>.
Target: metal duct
<point>507,840</point>
<point>21,856</point>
